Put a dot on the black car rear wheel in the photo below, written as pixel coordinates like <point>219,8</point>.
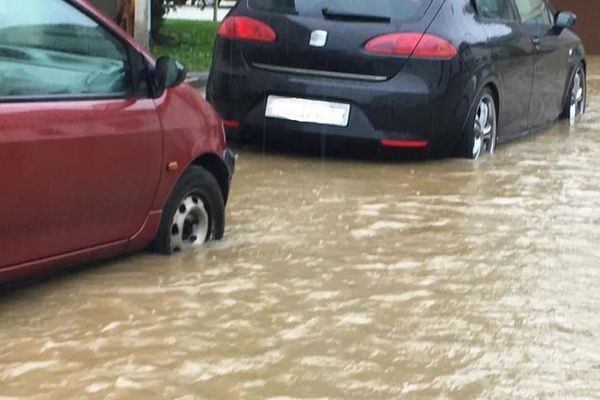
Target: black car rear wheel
<point>480,135</point>
<point>194,213</point>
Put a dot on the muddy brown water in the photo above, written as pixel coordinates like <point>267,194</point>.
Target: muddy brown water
<point>345,279</point>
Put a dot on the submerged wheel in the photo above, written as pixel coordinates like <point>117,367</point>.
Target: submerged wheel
<point>481,133</point>
<point>575,107</point>
<point>194,213</point>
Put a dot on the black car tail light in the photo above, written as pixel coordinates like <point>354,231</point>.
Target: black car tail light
<point>411,44</point>
<point>246,28</point>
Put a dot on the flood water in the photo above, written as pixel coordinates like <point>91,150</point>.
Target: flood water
<point>345,279</point>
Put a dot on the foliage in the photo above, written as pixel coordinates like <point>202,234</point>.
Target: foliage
<point>160,8</point>
<point>190,42</point>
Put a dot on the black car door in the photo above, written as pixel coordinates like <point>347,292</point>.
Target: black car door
<point>550,62</point>
<point>512,55</point>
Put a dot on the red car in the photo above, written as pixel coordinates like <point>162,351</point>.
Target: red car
<point>102,150</point>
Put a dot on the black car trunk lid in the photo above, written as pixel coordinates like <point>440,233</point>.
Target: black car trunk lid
<point>327,38</point>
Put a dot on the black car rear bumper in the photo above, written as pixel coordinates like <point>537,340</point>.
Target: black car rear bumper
<point>421,103</point>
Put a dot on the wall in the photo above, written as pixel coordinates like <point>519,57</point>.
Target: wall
<point>588,15</point>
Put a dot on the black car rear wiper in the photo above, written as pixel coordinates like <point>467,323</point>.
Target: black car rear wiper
<point>349,16</point>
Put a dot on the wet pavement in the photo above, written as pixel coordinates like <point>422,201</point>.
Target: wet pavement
<point>345,279</point>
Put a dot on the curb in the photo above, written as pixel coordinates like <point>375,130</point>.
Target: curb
<point>197,79</point>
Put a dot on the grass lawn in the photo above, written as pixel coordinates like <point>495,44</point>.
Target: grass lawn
<point>191,43</point>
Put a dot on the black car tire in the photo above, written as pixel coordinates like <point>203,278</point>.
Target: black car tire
<point>574,105</point>
<point>195,192</point>
<point>473,135</point>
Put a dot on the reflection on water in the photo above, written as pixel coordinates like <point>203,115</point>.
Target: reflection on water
<point>345,279</point>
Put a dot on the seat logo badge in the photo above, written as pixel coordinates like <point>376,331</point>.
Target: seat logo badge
<point>318,38</point>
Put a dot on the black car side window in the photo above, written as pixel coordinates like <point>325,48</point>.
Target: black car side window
<point>496,9</point>
<point>534,12</point>
<point>49,48</point>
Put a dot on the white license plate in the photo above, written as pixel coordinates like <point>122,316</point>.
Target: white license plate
<point>303,110</point>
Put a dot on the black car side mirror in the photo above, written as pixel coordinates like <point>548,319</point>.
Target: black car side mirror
<point>564,20</point>
<point>168,73</point>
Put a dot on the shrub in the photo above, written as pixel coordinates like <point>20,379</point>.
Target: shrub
<point>160,8</point>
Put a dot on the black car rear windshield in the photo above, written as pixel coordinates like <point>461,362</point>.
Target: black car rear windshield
<point>391,9</point>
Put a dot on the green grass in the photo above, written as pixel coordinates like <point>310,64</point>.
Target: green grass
<point>190,42</point>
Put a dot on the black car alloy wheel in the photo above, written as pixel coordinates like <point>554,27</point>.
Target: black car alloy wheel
<point>481,132</point>
<point>576,105</point>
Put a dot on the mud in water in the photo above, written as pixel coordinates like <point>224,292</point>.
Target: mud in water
<point>345,279</point>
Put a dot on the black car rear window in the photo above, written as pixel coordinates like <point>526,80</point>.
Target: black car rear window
<point>393,9</point>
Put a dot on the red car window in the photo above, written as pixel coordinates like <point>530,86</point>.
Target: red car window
<point>47,47</point>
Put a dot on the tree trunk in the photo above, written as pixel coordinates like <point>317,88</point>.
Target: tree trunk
<point>126,17</point>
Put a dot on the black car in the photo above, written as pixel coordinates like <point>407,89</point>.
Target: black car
<point>452,77</point>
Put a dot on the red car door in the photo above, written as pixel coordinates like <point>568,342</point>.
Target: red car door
<point>80,140</point>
